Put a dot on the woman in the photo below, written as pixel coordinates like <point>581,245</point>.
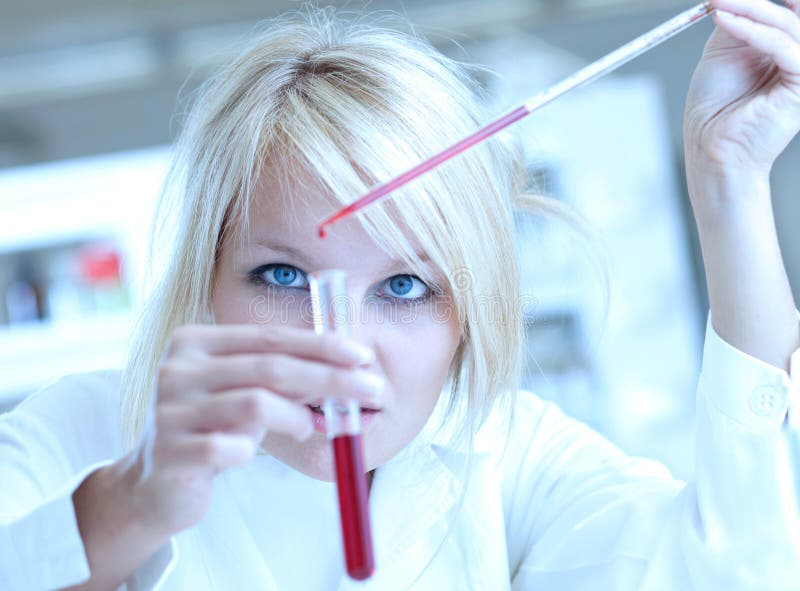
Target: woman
<point>213,477</point>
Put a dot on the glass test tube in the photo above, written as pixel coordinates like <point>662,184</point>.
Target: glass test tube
<point>343,427</point>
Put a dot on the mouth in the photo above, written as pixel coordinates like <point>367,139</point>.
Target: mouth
<point>316,408</point>
<point>367,415</point>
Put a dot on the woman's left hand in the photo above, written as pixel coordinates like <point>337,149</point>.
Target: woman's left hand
<point>743,106</point>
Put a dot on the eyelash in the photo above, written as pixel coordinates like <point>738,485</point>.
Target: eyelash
<point>256,277</point>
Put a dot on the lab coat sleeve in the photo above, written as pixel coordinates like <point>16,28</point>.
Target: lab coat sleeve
<point>48,445</point>
<point>584,515</point>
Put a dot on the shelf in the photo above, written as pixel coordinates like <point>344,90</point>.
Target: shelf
<point>31,355</point>
<point>106,197</point>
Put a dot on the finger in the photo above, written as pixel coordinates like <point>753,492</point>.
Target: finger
<point>232,339</point>
<point>778,45</point>
<point>764,12</point>
<point>247,411</point>
<point>214,451</point>
<point>300,379</point>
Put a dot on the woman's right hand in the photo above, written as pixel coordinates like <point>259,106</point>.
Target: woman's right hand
<point>219,389</point>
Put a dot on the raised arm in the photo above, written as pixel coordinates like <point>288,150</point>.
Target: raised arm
<point>742,110</point>
<point>590,517</point>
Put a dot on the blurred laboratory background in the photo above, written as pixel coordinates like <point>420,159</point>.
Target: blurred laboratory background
<point>91,94</point>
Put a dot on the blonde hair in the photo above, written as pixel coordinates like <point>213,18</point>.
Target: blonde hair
<point>350,103</point>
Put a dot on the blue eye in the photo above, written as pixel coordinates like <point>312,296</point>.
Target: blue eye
<point>401,284</point>
<point>285,275</point>
<point>279,275</point>
<point>403,288</point>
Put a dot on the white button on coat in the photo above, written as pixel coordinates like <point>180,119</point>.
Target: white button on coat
<point>768,401</point>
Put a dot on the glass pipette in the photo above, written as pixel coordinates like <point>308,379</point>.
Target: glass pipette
<point>592,72</point>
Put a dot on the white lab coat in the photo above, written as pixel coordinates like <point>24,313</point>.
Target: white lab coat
<point>562,509</point>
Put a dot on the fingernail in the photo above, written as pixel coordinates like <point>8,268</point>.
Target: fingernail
<point>371,383</point>
<point>360,353</point>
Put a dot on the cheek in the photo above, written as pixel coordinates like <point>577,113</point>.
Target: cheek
<point>240,302</point>
<point>231,303</point>
<point>289,308</point>
<point>418,355</point>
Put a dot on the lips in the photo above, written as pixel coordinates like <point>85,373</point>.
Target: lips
<point>318,409</point>
<point>366,416</point>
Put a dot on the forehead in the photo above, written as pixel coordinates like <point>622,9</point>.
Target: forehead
<point>286,211</point>
<point>289,210</point>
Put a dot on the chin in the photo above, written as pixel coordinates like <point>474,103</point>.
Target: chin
<point>313,457</point>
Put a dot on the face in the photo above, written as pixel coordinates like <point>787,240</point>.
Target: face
<point>412,329</point>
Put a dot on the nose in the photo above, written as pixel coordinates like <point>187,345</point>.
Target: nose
<point>345,303</point>
<point>360,327</point>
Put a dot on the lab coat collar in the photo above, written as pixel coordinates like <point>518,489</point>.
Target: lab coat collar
<point>488,439</point>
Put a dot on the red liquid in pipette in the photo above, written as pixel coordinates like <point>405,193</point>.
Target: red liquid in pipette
<point>353,506</point>
<point>591,72</point>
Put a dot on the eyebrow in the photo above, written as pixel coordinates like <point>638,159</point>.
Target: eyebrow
<point>279,246</point>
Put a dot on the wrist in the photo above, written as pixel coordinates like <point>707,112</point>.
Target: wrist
<point>721,162</point>
<point>124,483</point>
<point>720,195</point>
<point>116,541</point>
<point>111,508</point>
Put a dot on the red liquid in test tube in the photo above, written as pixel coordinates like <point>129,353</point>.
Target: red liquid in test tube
<point>353,506</point>
<point>343,427</point>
